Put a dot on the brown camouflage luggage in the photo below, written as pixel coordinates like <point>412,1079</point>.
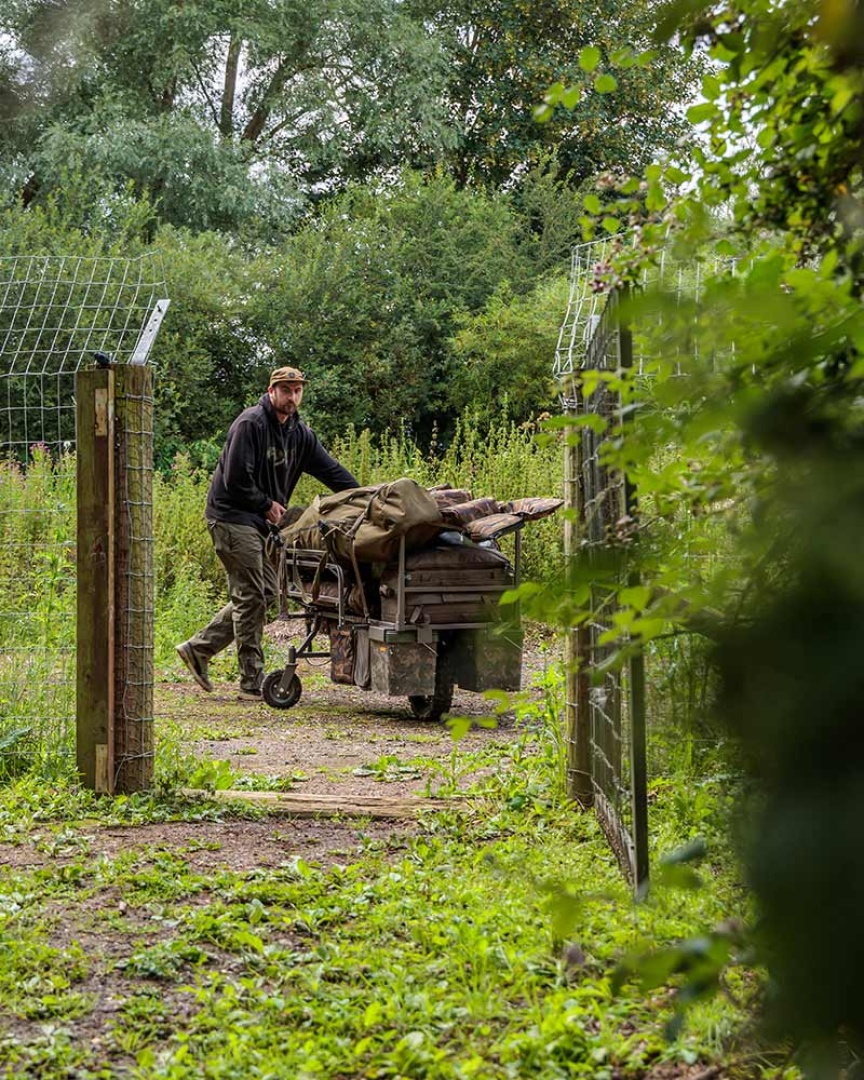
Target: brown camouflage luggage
<point>341,654</point>
<point>509,516</point>
<point>444,495</point>
<point>461,514</point>
<point>448,584</point>
<point>349,655</point>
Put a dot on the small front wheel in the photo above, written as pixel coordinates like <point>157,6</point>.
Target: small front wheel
<point>275,696</point>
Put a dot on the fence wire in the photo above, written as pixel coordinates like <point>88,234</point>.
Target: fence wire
<point>664,323</point>
<point>605,536</point>
<point>57,315</point>
<point>679,286</point>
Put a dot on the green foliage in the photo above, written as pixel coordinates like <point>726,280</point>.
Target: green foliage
<point>503,351</point>
<point>445,950</point>
<point>183,545</point>
<point>231,116</point>
<point>88,219</point>
<point>224,113</point>
<point>37,613</point>
<point>766,441</point>
<point>367,298</point>
<point>791,688</point>
<point>415,301</point>
<point>504,51</point>
<point>207,358</point>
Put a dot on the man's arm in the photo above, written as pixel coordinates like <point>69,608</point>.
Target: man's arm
<point>326,468</point>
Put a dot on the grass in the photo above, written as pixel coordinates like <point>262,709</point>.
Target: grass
<point>476,944</point>
<point>390,965</point>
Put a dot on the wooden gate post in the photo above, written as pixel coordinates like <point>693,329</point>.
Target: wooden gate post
<point>115,579</point>
<point>576,643</point>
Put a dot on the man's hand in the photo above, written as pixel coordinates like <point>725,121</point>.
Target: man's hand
<point>275,512</point>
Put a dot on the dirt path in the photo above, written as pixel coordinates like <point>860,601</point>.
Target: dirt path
<point>339,739</point>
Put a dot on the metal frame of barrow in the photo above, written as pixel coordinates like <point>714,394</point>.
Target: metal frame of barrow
<point>418,660</point>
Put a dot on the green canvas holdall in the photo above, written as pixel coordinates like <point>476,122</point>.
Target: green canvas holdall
<point>366,525</point>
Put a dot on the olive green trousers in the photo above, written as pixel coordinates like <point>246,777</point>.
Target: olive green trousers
<point>252,588</point>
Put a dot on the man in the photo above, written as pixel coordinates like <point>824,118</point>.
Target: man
<point>267,449</point>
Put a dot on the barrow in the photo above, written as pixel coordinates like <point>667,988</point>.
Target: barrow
<point>410,631</point>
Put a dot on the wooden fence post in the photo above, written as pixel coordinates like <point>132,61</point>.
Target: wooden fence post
<point>133,669</point>
<point>115,579</point>
<point>94,393</point>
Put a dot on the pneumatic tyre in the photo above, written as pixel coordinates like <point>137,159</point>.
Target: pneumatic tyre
<point>433,706</point>
<point>275,696</point>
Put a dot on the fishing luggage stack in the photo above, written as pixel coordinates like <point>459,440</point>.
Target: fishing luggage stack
<point>405,583</point>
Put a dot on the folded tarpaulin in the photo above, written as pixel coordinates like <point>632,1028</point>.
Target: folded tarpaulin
<point>367,524</point>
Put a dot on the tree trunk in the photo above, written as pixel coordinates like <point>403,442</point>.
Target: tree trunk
<point>229,89</point>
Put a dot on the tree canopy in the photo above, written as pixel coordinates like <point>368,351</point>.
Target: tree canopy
<point>505,52</point>
<point>232,115</point>
<point>221,110</point>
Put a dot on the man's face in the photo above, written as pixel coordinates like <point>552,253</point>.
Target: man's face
<point>285,398</point>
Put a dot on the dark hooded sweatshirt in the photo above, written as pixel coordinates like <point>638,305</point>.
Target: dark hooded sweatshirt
<point>261,462</point>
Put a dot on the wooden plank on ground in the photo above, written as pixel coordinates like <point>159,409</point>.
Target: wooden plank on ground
<point>304,805</point>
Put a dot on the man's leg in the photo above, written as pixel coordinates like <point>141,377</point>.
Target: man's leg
<point>252,588</point>
<point>216,636</point>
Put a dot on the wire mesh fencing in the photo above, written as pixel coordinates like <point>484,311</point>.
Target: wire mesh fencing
<point>607,701</point>
<point>57,315</point>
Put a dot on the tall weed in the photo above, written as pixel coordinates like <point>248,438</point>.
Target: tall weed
<point>37,611</point>
<point>38,592</point>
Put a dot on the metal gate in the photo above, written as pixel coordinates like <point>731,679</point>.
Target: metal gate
<point>606,686</point>
<point>606,710</point>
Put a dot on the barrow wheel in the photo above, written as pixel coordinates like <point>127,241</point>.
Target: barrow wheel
<point>275,696</point>
<point>433,706</point>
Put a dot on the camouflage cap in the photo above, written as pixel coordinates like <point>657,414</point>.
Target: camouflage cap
<point>286,374</point>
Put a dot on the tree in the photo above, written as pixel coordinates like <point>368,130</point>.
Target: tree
<point>504,50</point>
<point>504,352</point>
<point>225,112</point>
<point>367,297</point>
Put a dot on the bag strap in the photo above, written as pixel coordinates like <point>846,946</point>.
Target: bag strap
<point>327,531</point>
